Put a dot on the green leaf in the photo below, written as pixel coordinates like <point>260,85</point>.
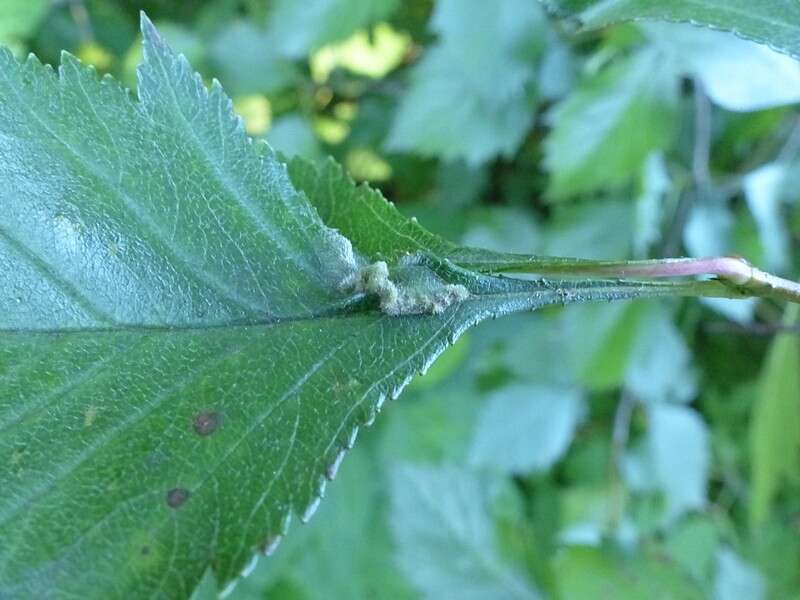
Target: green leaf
<point>297,28</point>
<point>718,59</point>
<point>445,535</point>
<point>584,573</point>
<point>678,456</point>
<point>737,579</point>
<point>603,132</point>
<point>187,349</point>
<point>775,423</point>
<point>775,23</point>
<point>765,191</point>
<point>19,17</point>
<point>486,59</point>
<point>693,544</point>
<point>526,427</point>
<point>245,58</point>
<point>660,367</point>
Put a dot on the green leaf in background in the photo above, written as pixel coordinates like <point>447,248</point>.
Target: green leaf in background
<point>736,579</point>
<point>660,365</point>
<point>693,544</point>
<point>584,573</point>
<point>442,513</point>
<point>775,423</point>
<point>603,132</point>
<point>187,349</point>
<point>245,58</point>
<point>772,22</point>
<point>719,60</point>
<point>298,28</point>
<point>678,457</point>
<point>19,17</point>
<point>485,57</point>
<point>765,191</point>
<point>525,428</point>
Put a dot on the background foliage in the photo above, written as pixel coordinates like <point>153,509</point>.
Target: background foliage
<point>647,448</point>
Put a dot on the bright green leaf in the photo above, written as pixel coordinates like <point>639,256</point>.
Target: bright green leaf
<point>775,423</point>
<point>19,17</point>
<point>584,573</point>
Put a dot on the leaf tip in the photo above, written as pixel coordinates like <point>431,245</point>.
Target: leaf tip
<point>151,39</point>
<point>146,26</point>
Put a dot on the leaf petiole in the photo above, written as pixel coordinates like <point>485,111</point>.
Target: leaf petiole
<point>734,272</point>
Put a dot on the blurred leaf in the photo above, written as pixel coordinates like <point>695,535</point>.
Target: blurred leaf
<point>775,23</point>
<point>692,544</point>
<point>588,573</point>
<point>775,548</point>
<point>558,70</point>
<point>600,340</point>
<point>445,537</point>
<point>19,17</point>
<point>601,230</point>
<point>447,364</point>
<point>736,74</point>
<point>470,94</point>
<point>656,184</point>
<point>433,424</point>
<point>764,191</point>
<point>660,368</point>
<point>775,422</point>
<point>244,58</point>
<point>604,130</point>
<point>293,136</point>
<point>504,229</point>
<point>586,513</point>
<point>526,427</point>
<point>736,579</point>
<point>298,28</point>
<point>679,455</point>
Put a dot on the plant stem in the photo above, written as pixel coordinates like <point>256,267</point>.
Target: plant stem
<point>737,275</point>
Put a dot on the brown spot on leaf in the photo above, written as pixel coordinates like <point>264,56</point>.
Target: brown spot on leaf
<point>206,422</point>
<point>177,496</point>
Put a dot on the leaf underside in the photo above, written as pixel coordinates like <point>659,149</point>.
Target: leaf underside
<point>181,369</point>
<point>775,23</point>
